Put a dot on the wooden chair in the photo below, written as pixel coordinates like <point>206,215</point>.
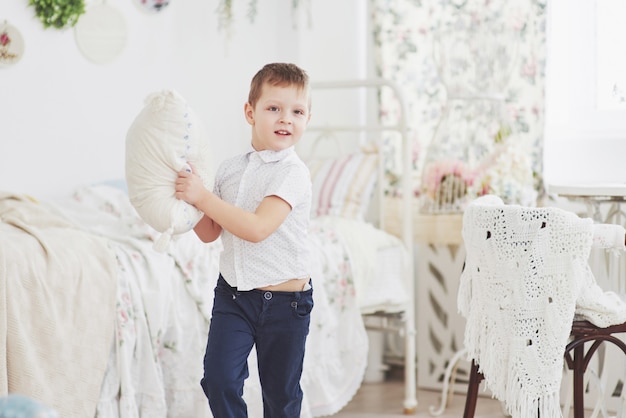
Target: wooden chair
<point>577,358</point>
<point>585,338</point>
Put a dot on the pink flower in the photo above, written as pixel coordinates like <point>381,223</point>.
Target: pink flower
<point>4,39</point>
<point>518,23</point>
<point>123,316</point>
<point>529,69</point>
<point>439,170</point>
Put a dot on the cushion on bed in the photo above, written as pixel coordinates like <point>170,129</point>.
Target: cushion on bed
<point>343,186</point>
<point>165,136</point>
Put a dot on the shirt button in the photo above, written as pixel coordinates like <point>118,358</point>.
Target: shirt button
<point>267,295</point>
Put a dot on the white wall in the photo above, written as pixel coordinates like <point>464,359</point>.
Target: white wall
<point>63,119</point>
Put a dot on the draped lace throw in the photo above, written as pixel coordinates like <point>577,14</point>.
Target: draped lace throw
<point>526,277</point>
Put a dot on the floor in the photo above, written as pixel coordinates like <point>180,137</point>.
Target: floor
<point>384,400</point>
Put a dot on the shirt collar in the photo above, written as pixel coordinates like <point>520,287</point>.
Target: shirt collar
<point>268,156</point>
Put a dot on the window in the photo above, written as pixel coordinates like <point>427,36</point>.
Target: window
<point>611,54</point>
<point>585,129</point>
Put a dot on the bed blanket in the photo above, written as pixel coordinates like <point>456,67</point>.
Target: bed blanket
<point>57,306</point>
<point>375,290</point>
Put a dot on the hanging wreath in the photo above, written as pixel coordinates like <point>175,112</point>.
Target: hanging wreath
<point>58,14</point>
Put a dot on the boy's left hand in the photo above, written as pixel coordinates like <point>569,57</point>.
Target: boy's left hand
<point>189,186</point>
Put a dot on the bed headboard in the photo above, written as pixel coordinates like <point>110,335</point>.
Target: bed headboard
<point>348,113</point>
<point>345,120</point>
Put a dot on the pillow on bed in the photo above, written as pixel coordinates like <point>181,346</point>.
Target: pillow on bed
<point>343,186</point>
<point>163,139</point>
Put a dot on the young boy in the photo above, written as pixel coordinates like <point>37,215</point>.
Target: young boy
<point>260,207</point>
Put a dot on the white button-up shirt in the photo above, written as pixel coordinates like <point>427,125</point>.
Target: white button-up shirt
<point>244,181</point>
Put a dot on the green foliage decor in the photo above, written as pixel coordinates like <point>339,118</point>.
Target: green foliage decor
<point>58,14</point>
<point>225,12</point>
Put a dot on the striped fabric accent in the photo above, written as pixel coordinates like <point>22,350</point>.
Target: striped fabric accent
<point>343,186</point>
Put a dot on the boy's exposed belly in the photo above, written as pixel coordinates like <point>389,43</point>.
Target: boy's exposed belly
<point>293,285</point>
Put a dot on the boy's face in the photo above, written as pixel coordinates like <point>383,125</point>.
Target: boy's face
<point>279,117</point>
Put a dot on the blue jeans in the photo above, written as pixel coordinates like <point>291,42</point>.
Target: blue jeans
<point>278,323</point>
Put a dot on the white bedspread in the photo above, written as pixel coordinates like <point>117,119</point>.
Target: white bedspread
<point>57,302</point>
<point>378,261</point>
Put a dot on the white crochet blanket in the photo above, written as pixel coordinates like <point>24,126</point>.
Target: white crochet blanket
<point>526,277</point>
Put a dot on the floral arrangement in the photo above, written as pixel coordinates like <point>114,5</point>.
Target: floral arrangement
<point>445,185</point>
<point>507,173</point>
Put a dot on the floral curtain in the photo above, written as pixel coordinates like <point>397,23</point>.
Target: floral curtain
<point>473,75</point>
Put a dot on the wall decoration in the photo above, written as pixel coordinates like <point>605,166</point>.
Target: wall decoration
<point>225,15</point>
<point>11,45</point>
<point>101,34</point>
<point>152,6</point>
<point>59,14</point>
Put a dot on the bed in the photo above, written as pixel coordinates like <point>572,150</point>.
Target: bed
<point>95,322</point>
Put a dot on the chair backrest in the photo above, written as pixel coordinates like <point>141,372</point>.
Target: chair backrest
<point>524,270</point>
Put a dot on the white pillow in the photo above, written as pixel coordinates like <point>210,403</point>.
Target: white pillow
<point>164,137</point>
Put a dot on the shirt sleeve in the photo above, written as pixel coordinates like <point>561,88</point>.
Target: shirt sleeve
<point>292,184</point>
<point>219,176</point>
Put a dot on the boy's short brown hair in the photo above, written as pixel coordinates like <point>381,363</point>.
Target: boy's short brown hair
<point>278,74</point>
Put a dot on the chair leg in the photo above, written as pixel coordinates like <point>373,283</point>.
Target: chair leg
<point>578,372</point>
<point>475,378</point>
